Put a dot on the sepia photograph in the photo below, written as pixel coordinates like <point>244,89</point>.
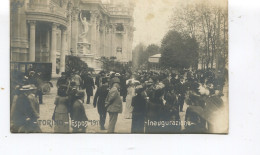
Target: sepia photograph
<point>119,66</point>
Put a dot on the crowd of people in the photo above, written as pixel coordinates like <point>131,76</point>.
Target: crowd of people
<point>163,95</point>
<point>153,100</point>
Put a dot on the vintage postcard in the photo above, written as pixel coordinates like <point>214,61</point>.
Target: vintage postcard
<point>119,66</point>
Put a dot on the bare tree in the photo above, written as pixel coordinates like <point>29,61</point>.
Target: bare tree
<point>207,23</point>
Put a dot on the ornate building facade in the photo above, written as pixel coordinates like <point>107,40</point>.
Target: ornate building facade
<point>48,30</point>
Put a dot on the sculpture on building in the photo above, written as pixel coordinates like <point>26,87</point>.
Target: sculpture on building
<point>86,25</point>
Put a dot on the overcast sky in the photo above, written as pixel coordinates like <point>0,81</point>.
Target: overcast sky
<point>151,18</point>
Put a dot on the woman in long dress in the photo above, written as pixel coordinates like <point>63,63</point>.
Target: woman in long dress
<point>128,107</point>
<point>61,112</point>
<point>78,113</point>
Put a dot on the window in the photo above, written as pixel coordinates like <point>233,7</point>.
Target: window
<point>119,27</point>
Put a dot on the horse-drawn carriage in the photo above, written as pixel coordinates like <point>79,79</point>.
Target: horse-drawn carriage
<point>43,70</point>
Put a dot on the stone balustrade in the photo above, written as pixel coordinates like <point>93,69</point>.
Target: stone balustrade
<point>123,11</point>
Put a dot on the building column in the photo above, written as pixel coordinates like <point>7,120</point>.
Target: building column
<point>32,41</point>
<point>47,55</point>
<point>97,38</point>
<point>125,45</point>
<point>113,37</point>
<point>74,31</point>
<point>109,41</point>
<point>130,50</point>
<point>53,48</point>
<point>104,41</point>
<point>63,49</point>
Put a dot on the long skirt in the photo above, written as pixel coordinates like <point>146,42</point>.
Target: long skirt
<point>128,107</point>
<point>61,123</point>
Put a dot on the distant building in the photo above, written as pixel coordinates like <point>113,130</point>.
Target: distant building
<point>155,58</point>
<point>154,61</point>
<point>48,30</point>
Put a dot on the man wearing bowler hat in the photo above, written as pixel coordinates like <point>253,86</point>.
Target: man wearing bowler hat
<point>181,91</point>
<point>88,84</point>
<point>113,104</point>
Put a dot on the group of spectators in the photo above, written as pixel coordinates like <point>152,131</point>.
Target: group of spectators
<point>160,98</point>
<point>110,87</point>
<point>153,100</point>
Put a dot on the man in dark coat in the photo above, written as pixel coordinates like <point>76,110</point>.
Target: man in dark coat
<point>88,83</point>
<point>181,91</point>
<point>97,80</point>
<point>101,95</point>
<point>123,88</point>
<point>167,83</point>
<point>171,111</point>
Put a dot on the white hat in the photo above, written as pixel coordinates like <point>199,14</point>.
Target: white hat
<point>28,87</point>
<point>117,74</point>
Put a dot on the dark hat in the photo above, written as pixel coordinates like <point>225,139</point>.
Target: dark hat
<point>104,80</point>
<point>102,72</point>
<point>158,93</point>
<point>73,84</point>
<point>171,87</point>
<point>173,74</point>
<point>62,90</point>
<point>116,80</point>
<point>139,89</point>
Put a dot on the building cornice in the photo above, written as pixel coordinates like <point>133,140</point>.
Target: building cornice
<point>46,17</point>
